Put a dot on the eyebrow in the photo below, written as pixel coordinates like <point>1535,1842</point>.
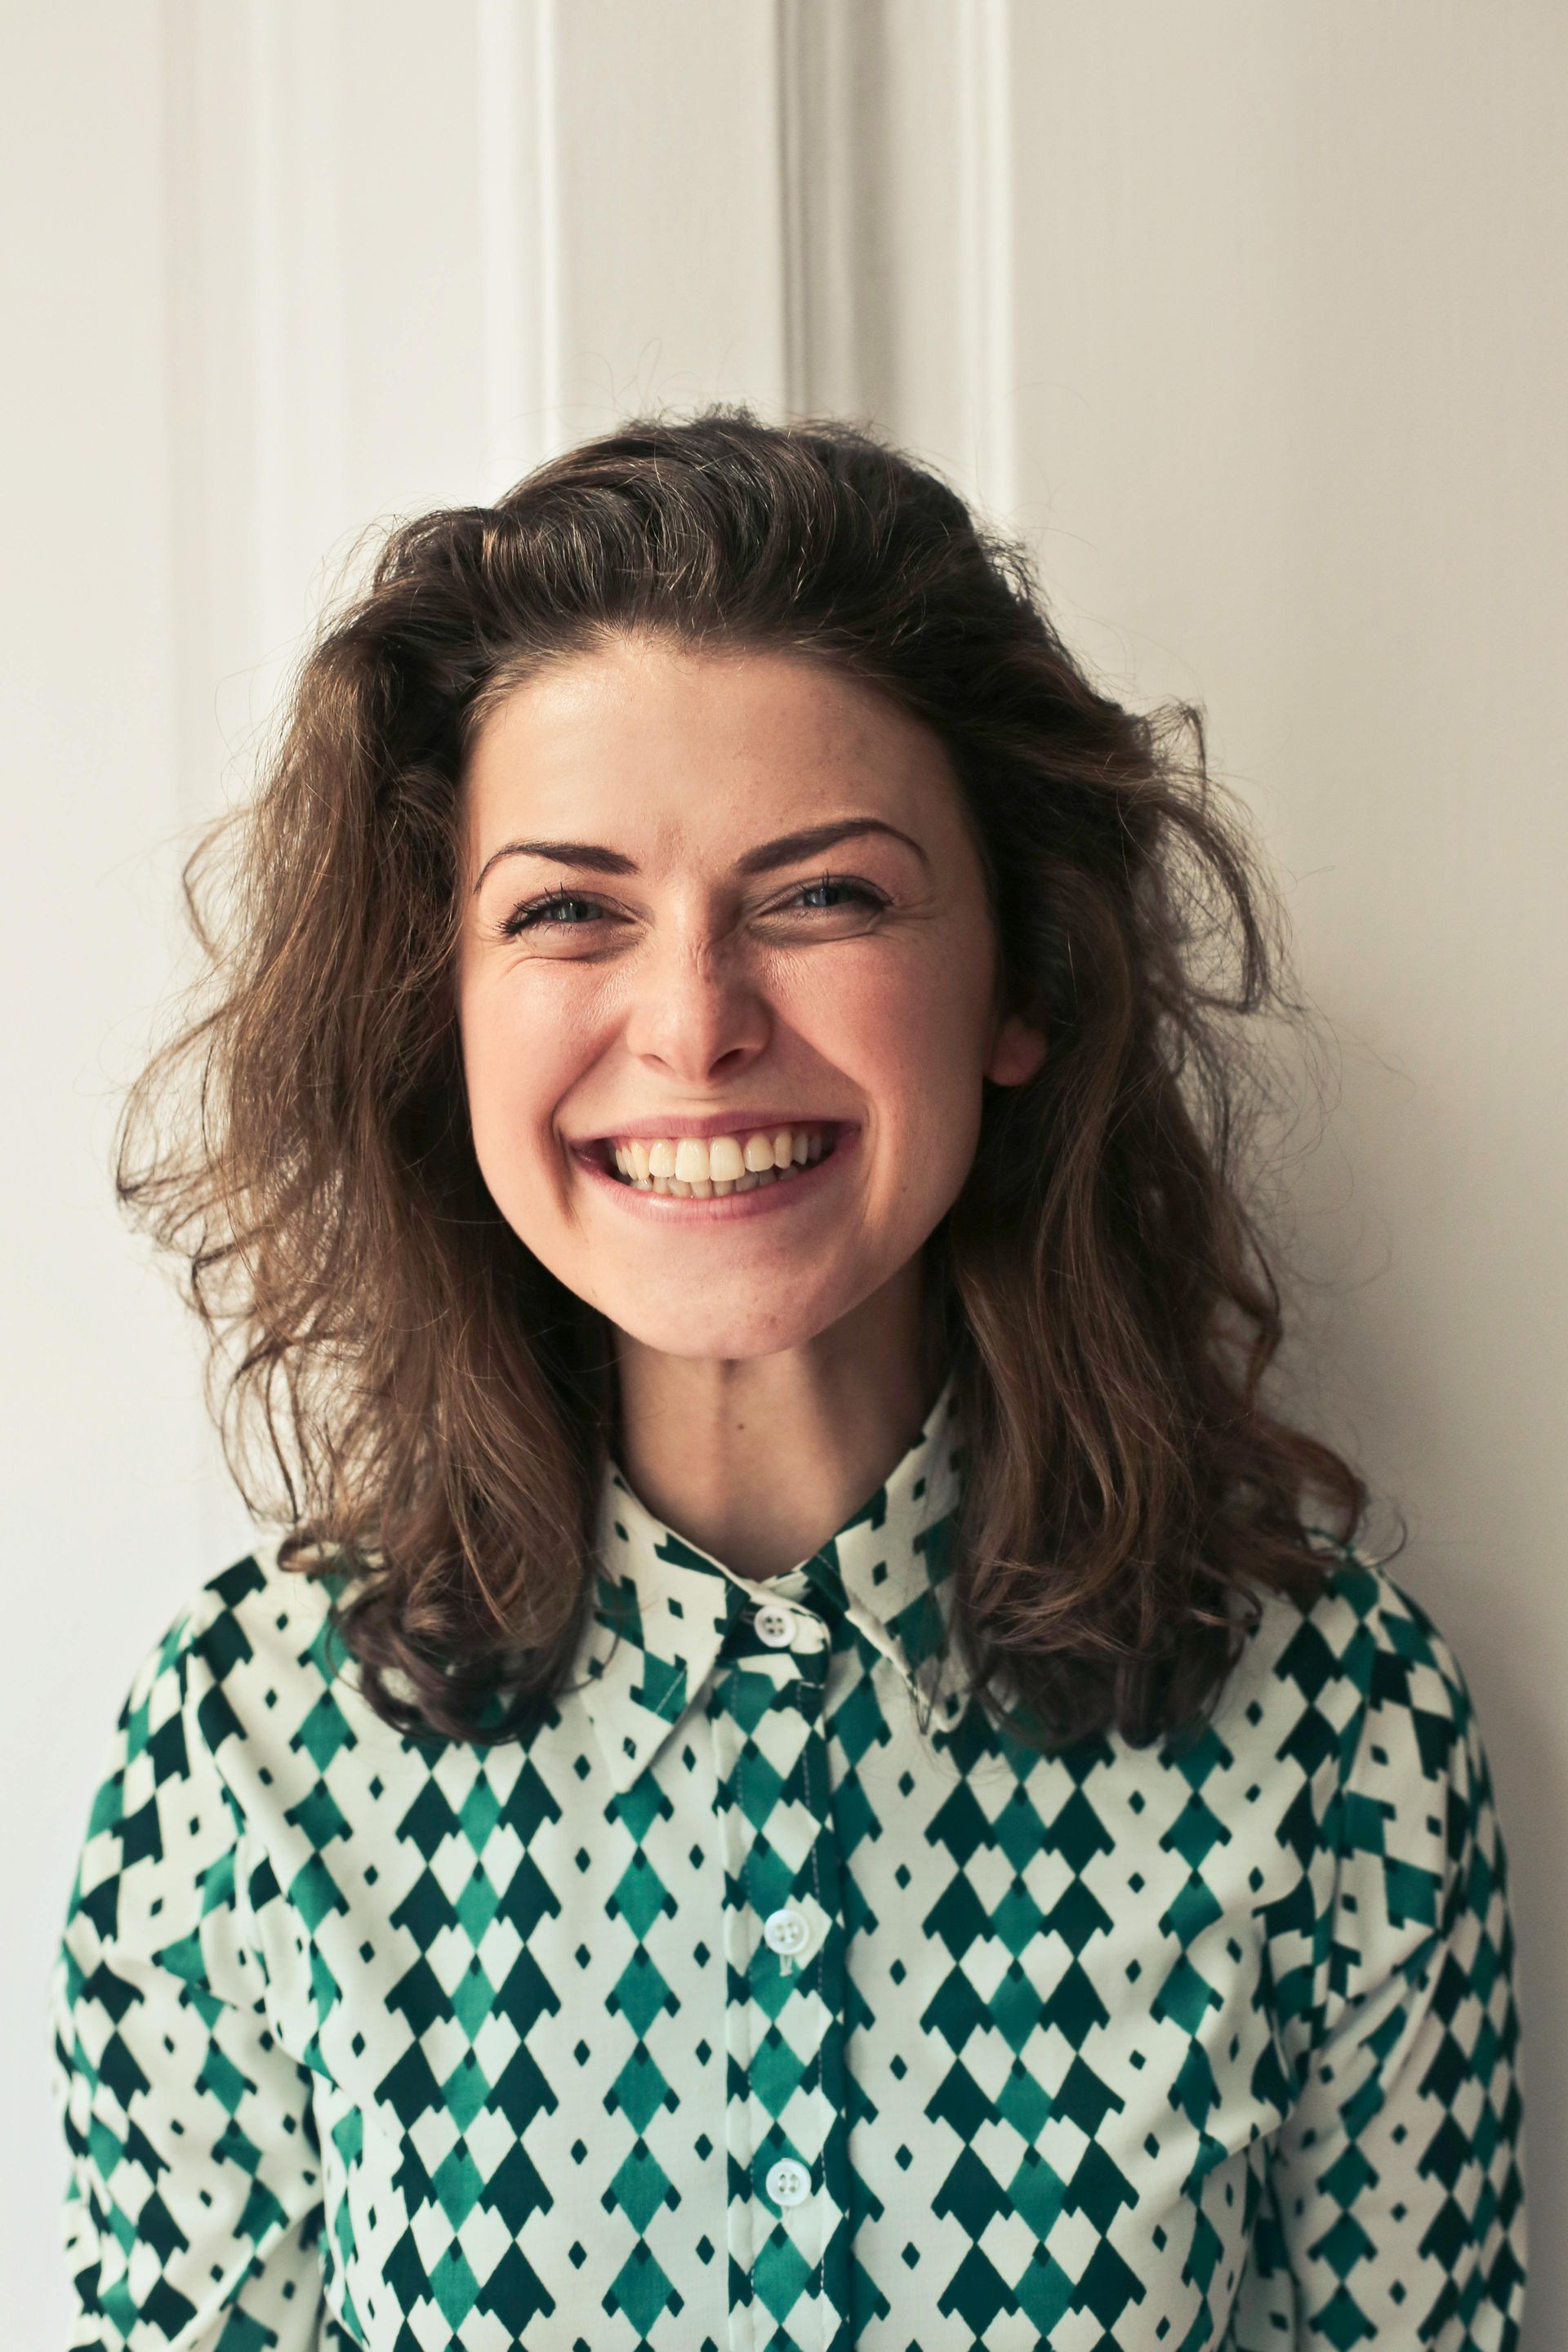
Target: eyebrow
<point>789,849</point>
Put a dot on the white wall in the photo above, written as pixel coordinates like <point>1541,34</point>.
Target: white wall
<point>1251,317</point>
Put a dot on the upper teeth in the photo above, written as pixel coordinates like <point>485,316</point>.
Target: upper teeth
<point>704,1165</point>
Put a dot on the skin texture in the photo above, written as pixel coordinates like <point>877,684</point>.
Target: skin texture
<point>772,1368</point>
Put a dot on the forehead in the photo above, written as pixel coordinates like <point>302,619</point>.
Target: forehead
<point>650,736</point>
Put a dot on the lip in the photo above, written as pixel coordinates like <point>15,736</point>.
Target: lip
<point>760,1202</point>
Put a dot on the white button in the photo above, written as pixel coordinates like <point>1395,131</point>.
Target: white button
<point>788,2183</point>
<point>783,1628</point>
<point>786,1930</point>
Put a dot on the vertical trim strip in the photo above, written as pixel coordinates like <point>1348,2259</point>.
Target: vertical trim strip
<point>987,248</point>
<point>520,255</point>
<point>794,258</point>
<point>551,388</point>
<point>503,237</point>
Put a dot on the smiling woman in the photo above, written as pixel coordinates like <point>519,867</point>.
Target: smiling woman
<point>801,1701</point>
<point>711,1005</point>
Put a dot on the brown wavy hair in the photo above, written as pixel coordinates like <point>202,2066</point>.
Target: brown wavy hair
<point>436,1407</point>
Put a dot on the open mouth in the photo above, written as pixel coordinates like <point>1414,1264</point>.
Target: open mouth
<point>707,1167</point>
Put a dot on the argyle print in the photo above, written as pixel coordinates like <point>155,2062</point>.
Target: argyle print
<point>767,1998</point>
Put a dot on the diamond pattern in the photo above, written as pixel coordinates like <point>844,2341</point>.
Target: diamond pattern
<point>362,2041</point>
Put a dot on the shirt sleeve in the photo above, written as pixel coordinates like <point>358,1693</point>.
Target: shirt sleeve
<point>192,2208</point>
<point>1393,2209</point>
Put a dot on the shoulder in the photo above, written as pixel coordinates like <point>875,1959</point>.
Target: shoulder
<point>1362,1639</point>
<point>243,1660</point>
<point>1384,1849</point>
<point>209,1727</point>
<point>252,1609</point>
<point>1360,1679</point>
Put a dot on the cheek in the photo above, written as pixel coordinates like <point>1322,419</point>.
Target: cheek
<point>911,1033</point>
<point>517,1062</point>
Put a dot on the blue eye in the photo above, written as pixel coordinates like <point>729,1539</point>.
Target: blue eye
<point>527,919</point>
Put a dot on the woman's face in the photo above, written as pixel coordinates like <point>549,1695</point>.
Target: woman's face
<point>722,894</point>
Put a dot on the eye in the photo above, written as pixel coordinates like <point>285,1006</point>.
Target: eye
<point>569,910</point>
<point>541,913</point>
<point>860,892</point>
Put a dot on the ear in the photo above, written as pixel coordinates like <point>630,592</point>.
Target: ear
<point>1017,1051</point>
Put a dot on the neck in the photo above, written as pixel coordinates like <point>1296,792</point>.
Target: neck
<point>758,1460</point>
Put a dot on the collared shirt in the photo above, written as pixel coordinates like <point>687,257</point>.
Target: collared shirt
<point>769,1998</point>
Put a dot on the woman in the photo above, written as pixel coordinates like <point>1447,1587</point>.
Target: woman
<point>809,1764</point>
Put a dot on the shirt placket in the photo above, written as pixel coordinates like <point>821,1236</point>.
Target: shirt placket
<point>786,2118</point>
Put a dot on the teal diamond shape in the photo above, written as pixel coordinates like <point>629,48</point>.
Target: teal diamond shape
<point>779,2273</point>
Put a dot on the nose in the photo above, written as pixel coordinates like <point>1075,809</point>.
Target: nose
<point>697,1013</point>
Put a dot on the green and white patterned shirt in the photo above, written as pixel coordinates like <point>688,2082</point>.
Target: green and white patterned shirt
<point>768,1998</point>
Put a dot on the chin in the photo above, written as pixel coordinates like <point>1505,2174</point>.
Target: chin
<point>712,1330</point>
<point>735,1341</point>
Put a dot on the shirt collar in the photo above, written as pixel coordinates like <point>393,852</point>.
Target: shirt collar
<point>672,1606</point>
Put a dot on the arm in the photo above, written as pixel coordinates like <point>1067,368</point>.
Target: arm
<point>1394,2208</point>
<point>194,2202</point>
